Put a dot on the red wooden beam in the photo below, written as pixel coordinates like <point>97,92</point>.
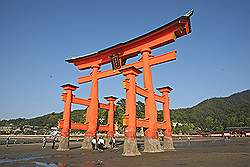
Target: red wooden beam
<point>103,128</point>
<point>159,98</point>
<point>81,126</point>
<point>153,61</point>
<point>125,51</point>
<point>85,102</point>
<point>161,125</point>
<point>74,125</point>
<point>143,92</point>
<point>78,126</point>
<point>144,123</point>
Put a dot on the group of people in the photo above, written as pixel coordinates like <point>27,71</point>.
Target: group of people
<point>96,144</point>
<point>100,143</point>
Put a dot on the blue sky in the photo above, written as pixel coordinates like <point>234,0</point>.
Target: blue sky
<point>37,36</point>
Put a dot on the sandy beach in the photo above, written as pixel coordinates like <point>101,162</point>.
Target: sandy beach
<point>235,153</point>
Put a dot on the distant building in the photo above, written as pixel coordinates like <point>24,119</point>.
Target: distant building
<point>17,131</point>
<point>6,129</point>
<point>238,131</point>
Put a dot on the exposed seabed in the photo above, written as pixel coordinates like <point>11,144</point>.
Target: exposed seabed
<point>199,152</point>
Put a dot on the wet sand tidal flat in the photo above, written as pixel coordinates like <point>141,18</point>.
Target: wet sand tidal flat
<point>232,153</point>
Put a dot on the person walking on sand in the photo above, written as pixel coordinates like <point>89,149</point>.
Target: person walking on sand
<point>7,141</point>
<point>44,142</point>
<point>93,142</point>
<point>101,144</point>
<point>112,142</point>
<point>53,142</point>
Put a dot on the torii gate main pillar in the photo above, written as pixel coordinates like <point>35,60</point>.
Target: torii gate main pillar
<point>130,144</point>
<point>151,140</point>
<point>92,111</point>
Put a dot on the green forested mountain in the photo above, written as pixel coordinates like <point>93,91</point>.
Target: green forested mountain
<point>217,113</point>
<point>48,120</point>
<point>210,115</point>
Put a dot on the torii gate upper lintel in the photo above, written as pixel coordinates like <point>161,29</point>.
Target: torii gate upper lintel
<point>163,35</point>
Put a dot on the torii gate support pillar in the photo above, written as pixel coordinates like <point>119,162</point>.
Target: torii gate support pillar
<point>130,145</point>
<point>167,141</point>
<point>151,140</point>
<point>64,140</point>
<point>111,100</point>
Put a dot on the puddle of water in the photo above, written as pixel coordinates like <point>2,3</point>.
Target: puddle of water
<point>32,160</point>
<point>6,160</point>
<point>42,164</point>
<point>98,163</point>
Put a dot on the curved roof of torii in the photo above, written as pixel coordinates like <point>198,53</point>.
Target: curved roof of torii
<point>184,30</point>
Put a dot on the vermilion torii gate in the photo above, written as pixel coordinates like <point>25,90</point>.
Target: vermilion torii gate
<point>117,55</point>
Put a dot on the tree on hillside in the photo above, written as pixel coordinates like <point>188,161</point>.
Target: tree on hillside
<point>140,109</point>
<point>119,113</point>
<point>214,114</point>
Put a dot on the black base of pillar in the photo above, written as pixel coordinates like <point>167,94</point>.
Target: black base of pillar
<point>152,145</point>
<point>168,144</point>
<point>63,144</point>
<point>130,148</point>
<point>107,140</point>
<point>86,144</point>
